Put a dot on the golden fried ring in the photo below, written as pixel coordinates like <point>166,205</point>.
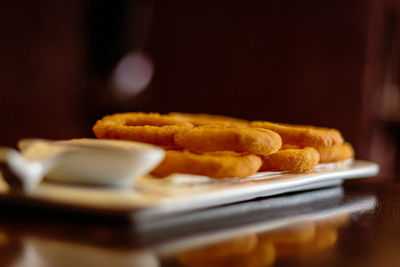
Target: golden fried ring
<point>335,153</point>
<point>201,119</point>
<point>209,139</point>
<point>301,135</point>
<point>216,166</point>
<point>151,128</point>
<point>330,154</point>
<point>292,160</point>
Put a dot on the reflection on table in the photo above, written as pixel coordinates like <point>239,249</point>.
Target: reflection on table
<point>296,241</point>
<point>282,232</point>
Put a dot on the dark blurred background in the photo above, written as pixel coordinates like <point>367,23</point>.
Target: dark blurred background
<point>65,64</point>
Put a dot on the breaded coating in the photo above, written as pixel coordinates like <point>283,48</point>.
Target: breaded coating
<point>301,135</point>
<point>335,153</point>
<point>201,119</point>
<point>292,160</point>
<point>330,154</point>
<point>151,128</point>
<point>209,139</point>
<point>216,166</point>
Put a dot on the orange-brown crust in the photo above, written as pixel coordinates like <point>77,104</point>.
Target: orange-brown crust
<point>330,154</point>
<point>216,166</point>
<point>292,160</point>
<point>201,119</point>
<point>303,136</point>
<point>335,153</point>
<point>151,128</point>
<point>209,139</point>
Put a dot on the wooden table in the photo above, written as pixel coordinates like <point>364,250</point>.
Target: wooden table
<point>367,234</point>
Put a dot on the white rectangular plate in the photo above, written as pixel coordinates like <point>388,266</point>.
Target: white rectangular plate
<point>152,197</point>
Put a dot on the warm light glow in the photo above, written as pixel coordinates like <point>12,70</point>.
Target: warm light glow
<point>132,74</point>
<point>3,239</point>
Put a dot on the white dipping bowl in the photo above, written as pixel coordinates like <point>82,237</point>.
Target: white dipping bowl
<point>97,161</point>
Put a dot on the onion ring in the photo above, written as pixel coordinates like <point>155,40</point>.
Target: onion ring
<point>209,139</point>
<point>330,154</point>
<point>201,119</point>
<point>216,166</point>
<point>151,128</point>
<point>303,136</point>
<point>335,153</point>
<point>292,160</point>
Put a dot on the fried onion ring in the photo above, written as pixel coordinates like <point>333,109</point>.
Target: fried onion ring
<point>209,139</point>
<point>151,128</point>
<point>201,119</point>
<point>292,160</point>
<point>301,135</point>
<point>335,153</point>
<point>216,166</point>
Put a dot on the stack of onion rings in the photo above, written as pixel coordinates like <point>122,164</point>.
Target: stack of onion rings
<point>219,146</point>
<point>328,142</point>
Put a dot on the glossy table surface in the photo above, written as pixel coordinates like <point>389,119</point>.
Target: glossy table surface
<point>357,224</point>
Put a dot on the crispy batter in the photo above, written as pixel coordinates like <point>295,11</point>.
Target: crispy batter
<point>208,139</point>
<point>292,160</point>
<point>201,119</point>
<point>330,154</point>
<point>216,166</point>
<point>151,128</point>
<point>299,144</point>
<point>335,153</point>
<point>301,135</point>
